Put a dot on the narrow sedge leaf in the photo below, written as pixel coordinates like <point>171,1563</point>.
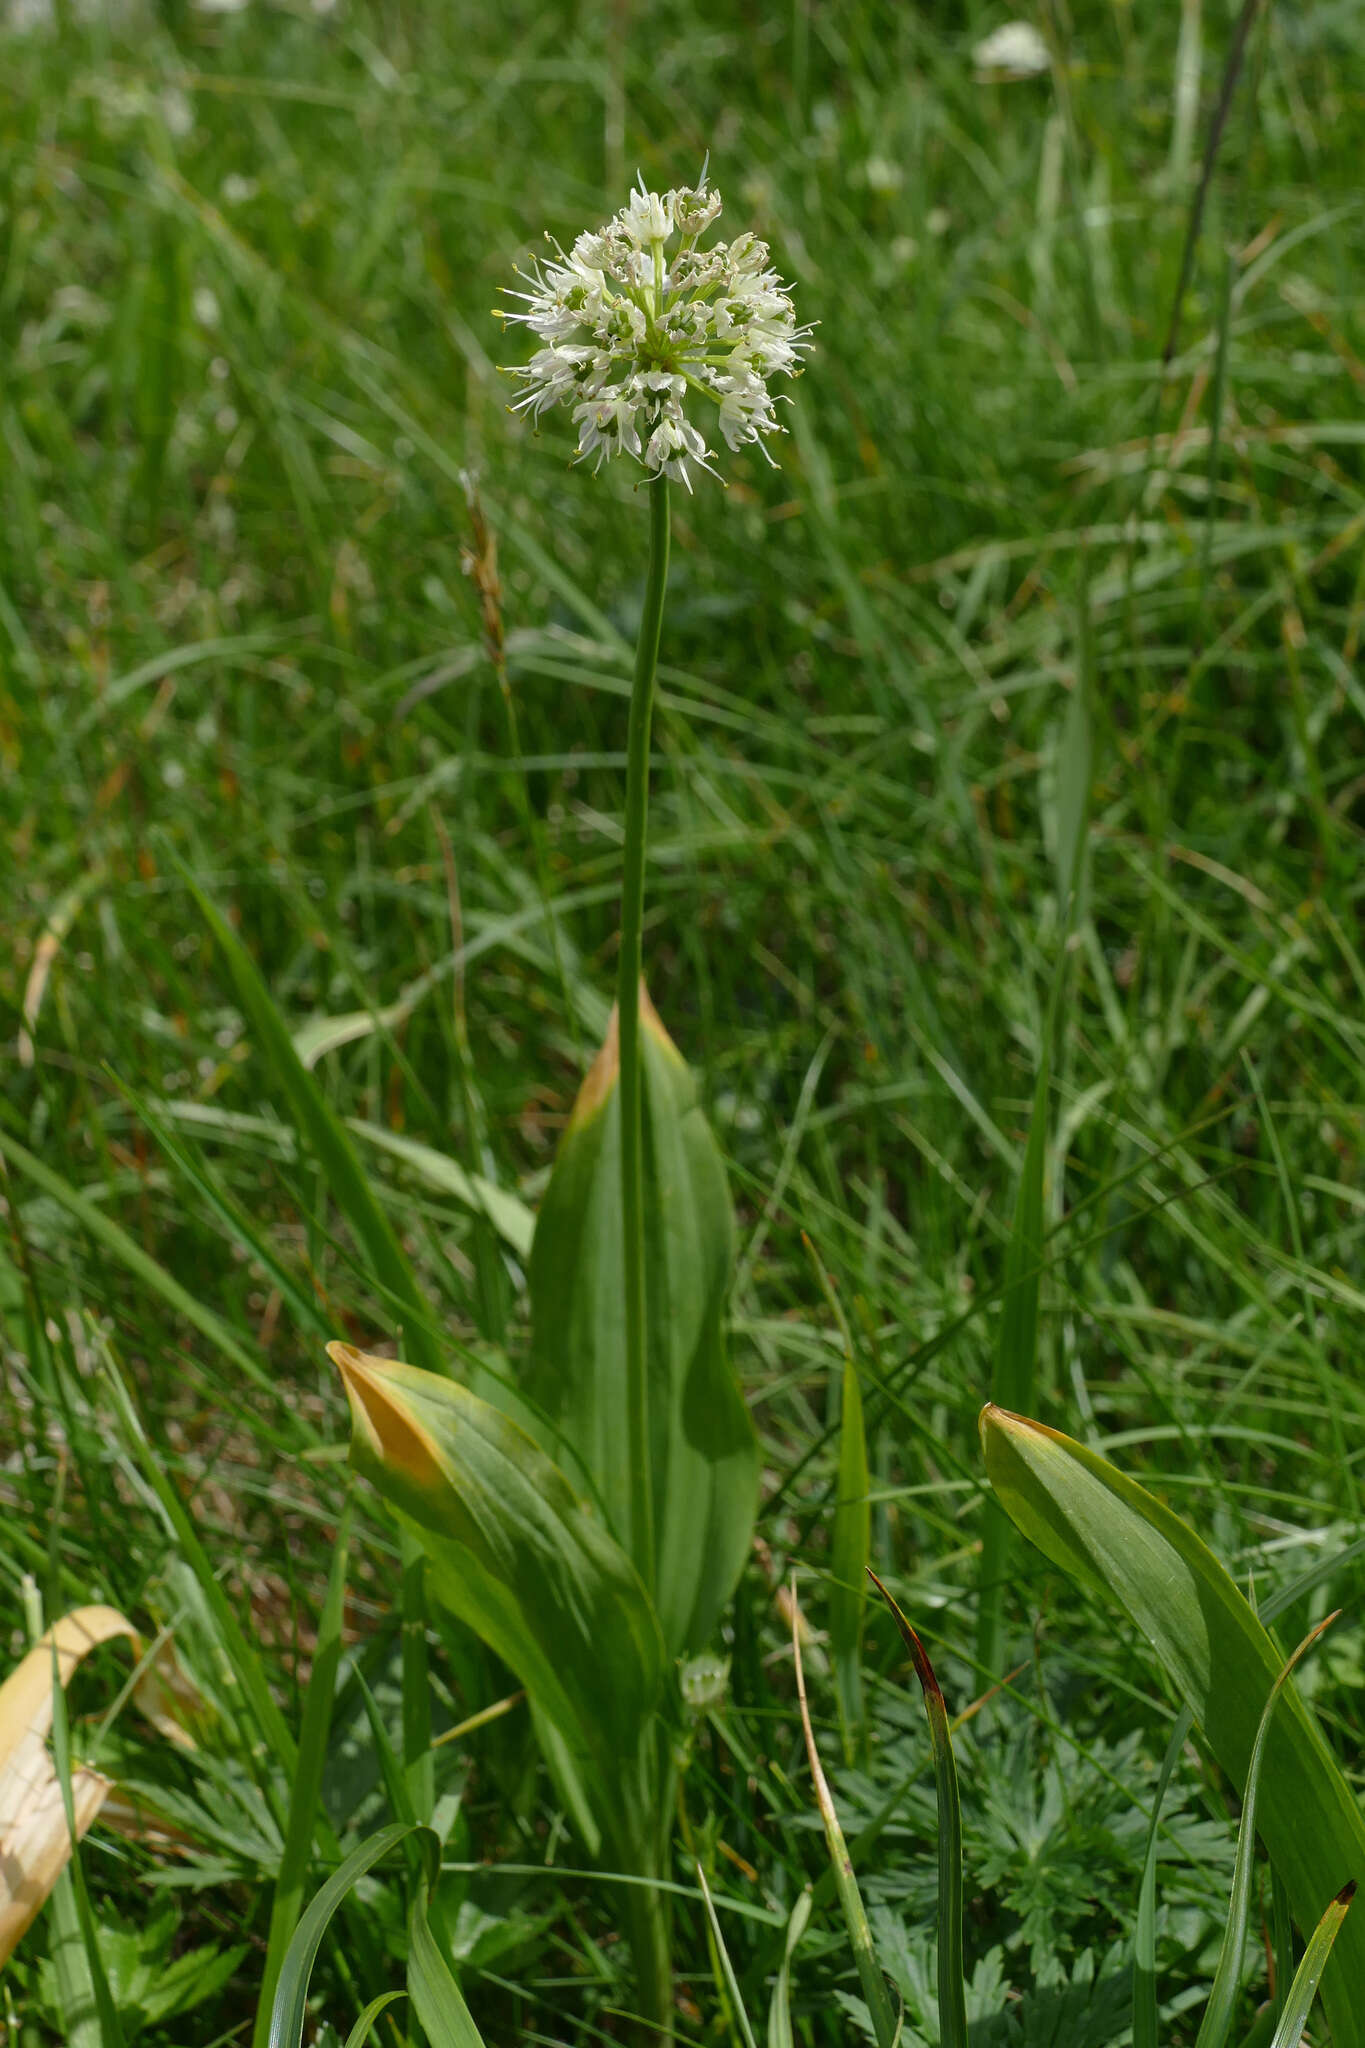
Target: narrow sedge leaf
<point>516,1555</point>
<point>390,1770</point>
<point>305,1793</point>
<point>780,2011</point>
<point>323,1132</point>
<point>290,2010</point>
<point>732,1991</point>
<point>114,1239</point>
<point>436,1997</point>
<point>1227,1979</point>
<point>1103,1528</point>
<point>1144,1936</point>
<point>275,1739</point>
<point>360,2032</point>
<point>850,1542</point>
<point>704,1451</point>
<point>952,2008</point>
<point>845,1883</point>
<point>1308,1976</point>
<point>1016,1354</point>
<point>111,2032</point>
<point>848,1561</point>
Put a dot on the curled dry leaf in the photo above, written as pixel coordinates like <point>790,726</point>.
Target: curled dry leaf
<point>35,1837</point>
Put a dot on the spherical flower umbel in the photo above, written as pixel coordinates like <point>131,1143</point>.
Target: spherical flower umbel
<point>638,320</point>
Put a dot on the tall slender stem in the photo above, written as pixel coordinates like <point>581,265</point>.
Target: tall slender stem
<point>628,1010</point>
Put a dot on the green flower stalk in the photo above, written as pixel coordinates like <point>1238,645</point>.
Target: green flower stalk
<point>637,323</point>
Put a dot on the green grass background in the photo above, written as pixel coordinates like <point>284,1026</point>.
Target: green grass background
<point>1030,535</point>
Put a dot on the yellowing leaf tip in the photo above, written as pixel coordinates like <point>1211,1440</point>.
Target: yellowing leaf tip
<point>600,1078</point>
<point>382,1418</point>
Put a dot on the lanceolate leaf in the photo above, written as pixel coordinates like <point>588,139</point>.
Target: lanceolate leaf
<point>516,1555</point>
<point>704,1450</point>
<point>1096,1523</point>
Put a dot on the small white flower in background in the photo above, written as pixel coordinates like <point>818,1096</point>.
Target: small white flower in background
<point>883,176</point>
<point>637,320</point>
<point>1016,50</point>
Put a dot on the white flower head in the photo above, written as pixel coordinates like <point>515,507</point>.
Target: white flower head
<point>1014,50</point>
<point>638,322</point>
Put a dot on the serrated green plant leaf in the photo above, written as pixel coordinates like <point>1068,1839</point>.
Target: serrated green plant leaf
<point>1106,1530</point>
<point>705,1462</point>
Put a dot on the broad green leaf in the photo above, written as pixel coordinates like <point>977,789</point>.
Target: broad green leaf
<point>1102,1527</point>
<point>514,1553</point>
<point>952,2006</point>
<point>705,1460</point>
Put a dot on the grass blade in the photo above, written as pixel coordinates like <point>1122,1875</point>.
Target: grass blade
<point>952,2008</point>
<point>328,1140</point>
<point>1227,1981</point>
<point>246,1665</point>
<point>115,1240</point>
<point>780,2011</point>
<point>722,1953</point>
<point>436,1997</point>
<point>111,2032</point>
<point>845,1883</point>
<point>850,1541</point>
<point>1144,1934</point>
<point>360,2032</point>
<point>1015,1355</point>
<point>288,2015</point>
<point>306,1791</point>
<point>1308,1976</point>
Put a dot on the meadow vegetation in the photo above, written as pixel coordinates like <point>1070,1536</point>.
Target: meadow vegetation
<point>1002,895</point>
